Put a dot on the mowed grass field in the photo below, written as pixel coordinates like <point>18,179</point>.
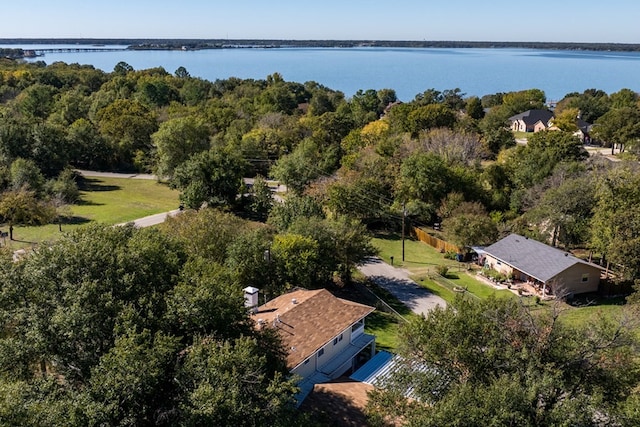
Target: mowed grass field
<point>104,201</point>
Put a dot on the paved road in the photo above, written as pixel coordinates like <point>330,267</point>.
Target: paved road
<point>397,281</point>
<point>115,175</point>
<point>150,220</point>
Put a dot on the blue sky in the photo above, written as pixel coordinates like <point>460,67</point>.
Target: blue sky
<point>495,20</point>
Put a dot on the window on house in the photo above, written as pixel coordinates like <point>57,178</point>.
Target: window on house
<point>321,352</point>
<point>306,361</point>
<point>498,263</point>
<point>357,325</point>
<point>585,277</point>
<point>335,341</point>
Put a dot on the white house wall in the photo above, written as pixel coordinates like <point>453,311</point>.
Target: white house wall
<point>316,361</point>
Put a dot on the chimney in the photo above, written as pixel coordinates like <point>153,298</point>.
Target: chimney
<point>251,297</point>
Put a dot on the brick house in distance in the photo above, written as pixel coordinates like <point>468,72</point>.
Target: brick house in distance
<point>323,335</point>
<point>531,121</point>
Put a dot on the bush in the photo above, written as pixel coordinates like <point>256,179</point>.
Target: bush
<point>64,187</point>
<point>450,255</point>
<point>442,270</point>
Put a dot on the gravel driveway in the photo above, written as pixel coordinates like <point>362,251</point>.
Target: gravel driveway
<point>397,281</point>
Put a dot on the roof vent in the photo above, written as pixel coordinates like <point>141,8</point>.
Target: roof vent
<point>566,254</point>
<point>294,301</point>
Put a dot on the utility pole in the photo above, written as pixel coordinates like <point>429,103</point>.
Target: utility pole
<point>404,215</point>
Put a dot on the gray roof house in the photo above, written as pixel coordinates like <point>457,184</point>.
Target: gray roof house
<point>555,271</point>
<point>531,121</point>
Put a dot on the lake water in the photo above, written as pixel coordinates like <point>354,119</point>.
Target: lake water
<point>408,71</point>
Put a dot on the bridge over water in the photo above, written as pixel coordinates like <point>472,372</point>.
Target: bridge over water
<point>42,52</point>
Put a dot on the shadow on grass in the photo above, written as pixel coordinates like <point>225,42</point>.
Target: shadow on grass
<point>385,327</point>
<point>392,236</point>
<point>94,185</point>
<point>24,241</point>
<point>420,262</point>
<point>380,321</point>
<point>75,220</point>
<point>82,202</point>
<point>593,300</point>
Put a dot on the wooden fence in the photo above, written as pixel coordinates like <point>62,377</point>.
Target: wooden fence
<point>430,240</point>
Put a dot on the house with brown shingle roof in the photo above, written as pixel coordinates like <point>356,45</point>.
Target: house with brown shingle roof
<point>323,335</point>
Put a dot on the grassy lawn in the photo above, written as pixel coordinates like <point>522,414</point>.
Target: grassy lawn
<point>421,261</point>
<point>521,135</point>
<point>385,327</point>
<point>587,312</point>
<point>106,201</point>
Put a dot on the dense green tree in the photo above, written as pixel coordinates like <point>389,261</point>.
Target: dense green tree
<point>25,175</point>
<point>624,98</point>
<point>567,120</point>
<point>343,244</point>
<point>176,140</point>
<point>127,125</point>
<point>22,207</point>
<point>49,148</point>
<point>296,261</point>
<point>113,326</point>
<point>69,107</point>
<point>298,169</point>
<point>254,393</point>
<point>591,104</point>
<point>155,91</point>
<point>351,245</point>
<point>206,233</point>
<point>249,258</point>
<point>365,106</point>
<point>122,68</point>
<point>469,225</point>
<point>495,140</point>
<point>205,301</point>
<point>64,187</point>
<point>532,163</point>
<point>367,199</point>
<point>261,199</point>
<point>284,214</point>
<point>14,139</point>
<point>37,101</point>
<point>88,149</point>
<point>431,116</point>
<point>194,91</point>
<point>615,227</point>
<point>135,379</point>
<point>521,101</point>
<point>424,180</point>
<point>563,214</point>
<point>474,108</point>
<point>619,127</point>
<point>212,177</point>
<point>506,365</point>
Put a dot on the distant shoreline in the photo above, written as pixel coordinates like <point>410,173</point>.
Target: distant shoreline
<point>198,44</point>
